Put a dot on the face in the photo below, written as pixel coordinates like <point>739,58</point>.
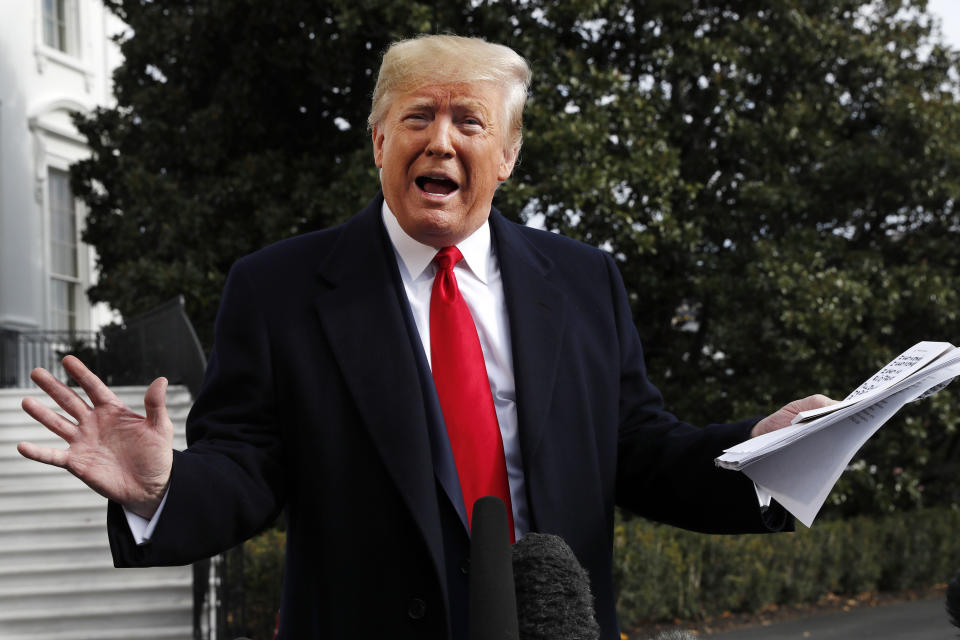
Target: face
<point>442,152</point>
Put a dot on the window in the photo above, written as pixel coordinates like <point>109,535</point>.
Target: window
<point>60,25</point>
<point>64,266</point>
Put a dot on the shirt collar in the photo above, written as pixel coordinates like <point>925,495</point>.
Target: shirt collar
<point>417,256</point>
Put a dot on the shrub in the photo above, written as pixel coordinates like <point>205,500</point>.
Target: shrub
<point>262,578</point>
<point>665,573</point>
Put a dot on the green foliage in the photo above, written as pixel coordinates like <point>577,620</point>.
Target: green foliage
<point>662,573</point>
<point>262,579</point>
<point>784,173</point>
<point>238,123</point>
<point>777,180</point>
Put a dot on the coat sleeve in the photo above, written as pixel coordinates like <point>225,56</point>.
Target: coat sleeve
<point>228,484</point>
<point>665,467</point>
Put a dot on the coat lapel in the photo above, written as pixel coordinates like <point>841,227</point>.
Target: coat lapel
<point>361,314</point>
<point>537,310</point>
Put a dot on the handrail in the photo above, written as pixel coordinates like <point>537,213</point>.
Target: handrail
<point>159,342</point>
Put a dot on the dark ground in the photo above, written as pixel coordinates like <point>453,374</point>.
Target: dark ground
<point>829,610</point>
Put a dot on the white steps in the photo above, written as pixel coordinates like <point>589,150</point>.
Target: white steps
<point>57,580</point>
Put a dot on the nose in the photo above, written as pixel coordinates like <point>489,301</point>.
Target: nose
<point>440,143</point>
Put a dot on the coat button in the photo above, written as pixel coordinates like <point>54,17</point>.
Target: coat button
<point>465,567</point>
<point>416,608</point>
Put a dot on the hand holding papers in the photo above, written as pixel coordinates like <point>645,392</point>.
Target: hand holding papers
<point>799,464</point>
<point>906,365</point>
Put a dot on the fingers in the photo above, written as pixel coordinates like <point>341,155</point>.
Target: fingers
<point>60,393</point>
<point>46,455</point>
<point>784,417</point>
<point>98,392</point>
<point>814,402</point>
<point>155,404</point>
<point>50,419</point>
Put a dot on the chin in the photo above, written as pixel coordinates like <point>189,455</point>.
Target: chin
<point>438,238</point>
<point>438,227</point>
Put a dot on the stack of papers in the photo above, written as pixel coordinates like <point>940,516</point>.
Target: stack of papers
<point>799,464</point>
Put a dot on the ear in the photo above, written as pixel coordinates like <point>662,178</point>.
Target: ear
<point>376,134</point>
<point>508,162</point>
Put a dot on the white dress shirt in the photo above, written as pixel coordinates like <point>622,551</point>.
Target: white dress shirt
<point>479,281</point>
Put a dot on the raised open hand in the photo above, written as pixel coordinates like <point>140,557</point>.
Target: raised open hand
<point>120,454</point>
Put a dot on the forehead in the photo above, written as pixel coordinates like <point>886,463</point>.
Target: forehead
<point>483,96</point>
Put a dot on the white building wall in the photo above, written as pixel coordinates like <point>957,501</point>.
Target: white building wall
<point>39,86</point>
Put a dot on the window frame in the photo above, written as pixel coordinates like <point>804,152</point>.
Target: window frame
<point>72,54</point>
<point>72,318</point>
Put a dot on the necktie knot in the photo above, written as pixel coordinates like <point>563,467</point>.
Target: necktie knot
<point>447,258</point>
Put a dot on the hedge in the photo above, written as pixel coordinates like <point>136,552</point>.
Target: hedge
<point>262,577</point>
<point>663,573</point>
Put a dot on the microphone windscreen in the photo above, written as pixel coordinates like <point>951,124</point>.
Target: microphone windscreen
<point>953,600</point>
<point>675,634</point>
<point>553,591</point>
<point>493,606</point>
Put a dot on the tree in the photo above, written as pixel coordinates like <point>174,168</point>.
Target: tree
<point>798,231</point>
<point>238,123</point>
<point>777,180</point>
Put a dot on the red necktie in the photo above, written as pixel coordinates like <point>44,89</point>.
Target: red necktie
<point>460,376</point>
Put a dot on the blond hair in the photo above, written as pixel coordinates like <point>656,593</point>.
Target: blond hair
<point>446,59</point>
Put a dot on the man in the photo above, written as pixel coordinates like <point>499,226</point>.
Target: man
<point>330,393</point>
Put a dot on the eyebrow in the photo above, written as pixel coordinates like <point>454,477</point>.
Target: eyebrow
<point>423,103</point>
<point>466,104</point>
<point>470,105</point>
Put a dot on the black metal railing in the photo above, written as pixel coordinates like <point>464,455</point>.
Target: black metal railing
<point>159,342</point>
<point>21,352</point>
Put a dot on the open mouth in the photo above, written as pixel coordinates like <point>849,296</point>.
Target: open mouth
<point>436,185</point>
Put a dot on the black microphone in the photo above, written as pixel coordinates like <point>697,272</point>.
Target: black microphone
<point>493,605</point>
<point>953,600</point>
<point>553,591</point>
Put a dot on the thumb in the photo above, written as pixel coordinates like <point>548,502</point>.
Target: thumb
<point>155,403</point>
